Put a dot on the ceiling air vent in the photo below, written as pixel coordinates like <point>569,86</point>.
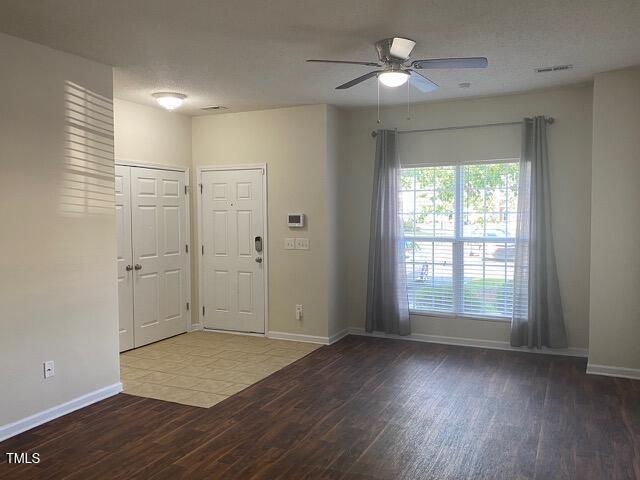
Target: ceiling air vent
<point>213,108</point>
<point>554,68</point>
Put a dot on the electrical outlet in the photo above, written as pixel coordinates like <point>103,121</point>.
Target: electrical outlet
<point>302,244</point>
<point>298,312</point>
<point>49,369</point>
<point>289,243</point>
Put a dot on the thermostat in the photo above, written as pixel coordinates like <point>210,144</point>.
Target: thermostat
<point>295,220</point>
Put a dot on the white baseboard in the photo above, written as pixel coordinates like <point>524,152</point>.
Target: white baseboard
<point>472,342</point>
<point>298,337</point>
<point>195,326</point>
<point>11,429</point>
<point>294,337</point>
<point>610,371</point>
<point>232,332</point>
<point>338,336</point>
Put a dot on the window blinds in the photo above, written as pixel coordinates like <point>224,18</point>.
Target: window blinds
<point>459,223</point>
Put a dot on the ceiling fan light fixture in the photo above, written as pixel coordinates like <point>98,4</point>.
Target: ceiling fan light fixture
<point>393,78</point>
<point>169,100</point>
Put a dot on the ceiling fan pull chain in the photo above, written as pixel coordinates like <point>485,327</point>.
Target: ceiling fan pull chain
<point>378,84</point>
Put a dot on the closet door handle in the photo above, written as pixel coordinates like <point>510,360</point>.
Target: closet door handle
<point>128,268</point>
<point>138,266</point>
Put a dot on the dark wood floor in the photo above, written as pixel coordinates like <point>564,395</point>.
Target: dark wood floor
<point>363,408</point>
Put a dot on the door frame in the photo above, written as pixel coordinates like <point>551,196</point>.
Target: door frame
<point>265,249</point>
<point>126,194</point>
<point>124,162</point>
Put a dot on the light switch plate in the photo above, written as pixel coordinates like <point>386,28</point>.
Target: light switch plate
<point>302,244</point>
<point>289,243</point>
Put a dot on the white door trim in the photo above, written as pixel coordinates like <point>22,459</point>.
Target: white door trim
<point>125,289</point>
<point>265,249</point>
<point>126,162</point>
<point>187,181</point>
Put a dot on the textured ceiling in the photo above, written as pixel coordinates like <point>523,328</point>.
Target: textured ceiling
<point>249,54</point>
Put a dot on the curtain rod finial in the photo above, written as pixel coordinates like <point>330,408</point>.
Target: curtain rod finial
<point>550,120</point>
<point>374,134</point>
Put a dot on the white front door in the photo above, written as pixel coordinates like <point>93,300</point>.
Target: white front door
<point>159,254</point>
<point>124,257</point>
<point>232,225</point>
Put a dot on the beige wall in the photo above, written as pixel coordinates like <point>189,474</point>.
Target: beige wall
<point>615,223</point>
<point>570,151</point>
<point>58,295</point>
<point>337,253</point>
<point>151,135</point>
<point>293,143</point>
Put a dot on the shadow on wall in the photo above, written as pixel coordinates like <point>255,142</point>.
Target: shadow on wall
<point>87,186</point>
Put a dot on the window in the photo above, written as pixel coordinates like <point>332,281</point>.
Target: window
<point>459,226</point>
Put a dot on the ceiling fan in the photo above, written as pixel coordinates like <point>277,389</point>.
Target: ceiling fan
<point>393,55</point>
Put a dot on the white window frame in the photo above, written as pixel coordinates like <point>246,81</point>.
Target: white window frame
<point>458,241</point>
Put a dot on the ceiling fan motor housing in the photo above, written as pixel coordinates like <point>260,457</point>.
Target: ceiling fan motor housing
<point>394,51</point>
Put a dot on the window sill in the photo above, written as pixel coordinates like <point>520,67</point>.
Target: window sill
<point>420,313</point>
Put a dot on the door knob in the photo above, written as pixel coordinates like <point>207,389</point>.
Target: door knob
<point>128,268</point>
<point>138,266</point>
<point>259,259</point>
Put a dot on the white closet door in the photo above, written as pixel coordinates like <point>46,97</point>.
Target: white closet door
<point>124,257</point>
<point>160,260</point>
<point>233,272</point>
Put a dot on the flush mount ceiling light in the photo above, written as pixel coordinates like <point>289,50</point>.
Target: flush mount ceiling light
<point>169,100</point>
<point>393,78</point>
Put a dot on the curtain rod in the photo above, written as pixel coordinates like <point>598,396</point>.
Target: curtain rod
<point>549,120</point>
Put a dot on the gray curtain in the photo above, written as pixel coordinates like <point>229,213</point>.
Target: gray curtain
<point>387,303</point>
<point>537,308</point>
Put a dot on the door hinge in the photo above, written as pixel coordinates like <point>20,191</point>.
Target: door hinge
<point>203,310</point>
<point>186,249</point>
<point>187,305</point>
<point>202,249</point>
<point>186,189</point>
<point>200,189</point>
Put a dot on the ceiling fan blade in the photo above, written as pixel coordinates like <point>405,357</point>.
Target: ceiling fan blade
<point>358,80</point>
<point>433,63</point>
<point>401,47</point>
<point>367,64</point>
<point>421,82</point>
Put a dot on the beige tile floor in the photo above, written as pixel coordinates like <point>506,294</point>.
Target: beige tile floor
<point>203,368</point>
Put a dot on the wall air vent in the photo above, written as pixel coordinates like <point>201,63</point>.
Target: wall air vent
<point>213,108</point>
<point>555,68</point>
